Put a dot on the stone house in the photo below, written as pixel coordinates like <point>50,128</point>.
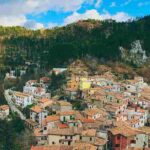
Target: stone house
<point>62,106</point>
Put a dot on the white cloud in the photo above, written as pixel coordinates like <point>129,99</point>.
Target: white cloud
<point>118,17</point>
<point>113,4</point>
<point>14,12</point>
<point>12,20</point>
<point>52,25</point>
<point>19,20</point>
<point>121,17</point>
<point>98,3</point>
<point>14,7</point>
<point>90,14</point>
<point>31,24</point>
<point>94,14</point>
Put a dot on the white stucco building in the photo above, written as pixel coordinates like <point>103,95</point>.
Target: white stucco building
<point>22,99</point>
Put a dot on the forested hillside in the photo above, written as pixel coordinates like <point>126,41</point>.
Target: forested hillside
<point>52,47</point>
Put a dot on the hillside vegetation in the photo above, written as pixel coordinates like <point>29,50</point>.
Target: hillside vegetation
<point>101,39</point>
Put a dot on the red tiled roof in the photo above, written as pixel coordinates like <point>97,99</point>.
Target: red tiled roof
<point>52,147</point>
<point>85,120</point>
<point>65,113</point>
<point>4,107</point>
<point>43,100</point>
<point>36,109</point>
<point>45,79</point>
<point>125,130</point>
<point>89,132</point>
<point>52,118</point>
<point>62,126</point>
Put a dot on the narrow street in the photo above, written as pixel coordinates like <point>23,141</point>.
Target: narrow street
<point>12,105</point>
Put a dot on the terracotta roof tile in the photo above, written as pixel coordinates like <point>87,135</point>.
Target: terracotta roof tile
<point>64,103</point>
<point>65,131</point>
<point>84,146</point>
<point>36,109</point>
<point>43,100</point>
<point>52,147</point>
<point>71,112</point>
<point>4,107</point>
<point>85,120</point>
<point>20,94</point>
<point>37,132</point>
<point>52,118</point>
<point>100,141</point>
<point>62,126</point>
<point>32,81</point>
<point>89,132</point>
<point>125,130</point>
<point>45,79</point>
<point>91,112</point>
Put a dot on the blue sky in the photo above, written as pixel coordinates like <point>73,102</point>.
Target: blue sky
<point>36,14</point>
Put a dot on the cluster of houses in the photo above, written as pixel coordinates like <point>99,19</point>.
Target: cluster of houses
<point>14,74</point>
<point>126,103</point>
<point>56,123</point>
<point>32,91</point>
<point>116,115</point>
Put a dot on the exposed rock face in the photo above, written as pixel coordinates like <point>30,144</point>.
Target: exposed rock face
<point>136,55</point>
<point>86,24</point>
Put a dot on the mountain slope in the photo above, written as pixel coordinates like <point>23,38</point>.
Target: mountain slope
<point>51,47</point>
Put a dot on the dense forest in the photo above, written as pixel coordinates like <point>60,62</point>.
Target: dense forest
<point>14,136</point>
<point>51,47</point>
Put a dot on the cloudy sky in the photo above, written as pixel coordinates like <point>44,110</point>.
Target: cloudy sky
<point>36,14</point>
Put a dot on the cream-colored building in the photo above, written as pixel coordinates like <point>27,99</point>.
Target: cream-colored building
<point>22,99</point>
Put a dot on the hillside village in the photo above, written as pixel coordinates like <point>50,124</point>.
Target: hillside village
<point>114,115</point>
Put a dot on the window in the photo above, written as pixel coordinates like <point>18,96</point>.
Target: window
<point>117,145</point>
<point>53,142</point>
<point>133,142</point>
<point>118,137</point>
<point>65,137</point>
<point>80,137</point>
<point>69,142</point>
<point>90,139</point>
<point>72,118</point>
<point>43,138</point>
<point>45,128</point>
<point>64,119</point>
